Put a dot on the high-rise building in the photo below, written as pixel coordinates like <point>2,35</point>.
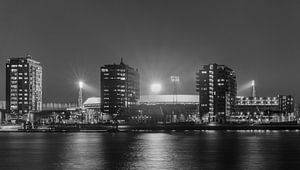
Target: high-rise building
<point>217,89</point>
<point>23,85</point>
<point>120,88</point>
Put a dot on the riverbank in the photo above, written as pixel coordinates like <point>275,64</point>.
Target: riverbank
<point>154,128</point>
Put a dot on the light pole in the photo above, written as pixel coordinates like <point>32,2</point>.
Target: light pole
<point>156,88</point>
<point>80,94</point>
<point>175,80</point>
<point>253,88</point>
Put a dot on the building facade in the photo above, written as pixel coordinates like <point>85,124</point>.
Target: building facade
<point>217,89</point>
<point>120,88</point>
<point>286,104</point>
<point>264,109</point>
<point>23,85</point>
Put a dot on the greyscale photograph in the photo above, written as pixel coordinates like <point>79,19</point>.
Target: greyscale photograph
<point>149,84</point>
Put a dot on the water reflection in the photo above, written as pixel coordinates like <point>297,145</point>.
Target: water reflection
<point>80,150</point>
<point>173,150</point>
<point>153,151</point>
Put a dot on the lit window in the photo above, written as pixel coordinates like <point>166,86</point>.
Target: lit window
<point>104,70</point>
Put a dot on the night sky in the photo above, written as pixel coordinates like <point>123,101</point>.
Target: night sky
<point>72,39</point>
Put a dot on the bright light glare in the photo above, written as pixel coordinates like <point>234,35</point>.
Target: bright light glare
<point>156,87</point>
<point>80,84</point>
<point>252,83</point>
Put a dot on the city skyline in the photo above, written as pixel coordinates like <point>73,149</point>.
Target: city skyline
<point>73,42</point>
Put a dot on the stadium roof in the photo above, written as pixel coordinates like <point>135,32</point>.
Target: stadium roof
<point>168,99</point>
<point>92,102</point>
<point>152,99</point>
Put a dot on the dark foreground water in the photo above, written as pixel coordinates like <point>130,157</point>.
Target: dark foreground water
<point>173,150</point>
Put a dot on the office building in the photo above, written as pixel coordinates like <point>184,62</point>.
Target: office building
<point>120,88</point>
<point>23,85</point>
<point>217,89</point>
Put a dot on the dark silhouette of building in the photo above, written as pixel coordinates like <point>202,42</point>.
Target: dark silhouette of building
<point>217,89</point>
<point>120,88</point>
<point>23,85</point>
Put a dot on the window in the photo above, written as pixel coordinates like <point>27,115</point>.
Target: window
<point>104,70</point>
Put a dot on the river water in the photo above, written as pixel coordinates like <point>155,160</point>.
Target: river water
<point>166,150</point>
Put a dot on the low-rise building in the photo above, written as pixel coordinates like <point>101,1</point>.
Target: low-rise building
<point>264,109</point>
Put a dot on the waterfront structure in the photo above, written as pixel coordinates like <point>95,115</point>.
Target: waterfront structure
<point>217,89</point>
<point>264,109</point>
<point>23,85</point>
<point>120,88</point>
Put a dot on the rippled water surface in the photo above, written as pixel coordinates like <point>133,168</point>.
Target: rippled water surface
<point>173,150</point>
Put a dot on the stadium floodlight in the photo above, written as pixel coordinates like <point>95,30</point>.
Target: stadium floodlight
<point>252,83</point>
<point>80,84</point>
<point>156,87</point>
<point>175,79</point>
<point>253,88</point>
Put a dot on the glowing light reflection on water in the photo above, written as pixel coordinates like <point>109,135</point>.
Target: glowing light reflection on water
<point>173,150</point>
